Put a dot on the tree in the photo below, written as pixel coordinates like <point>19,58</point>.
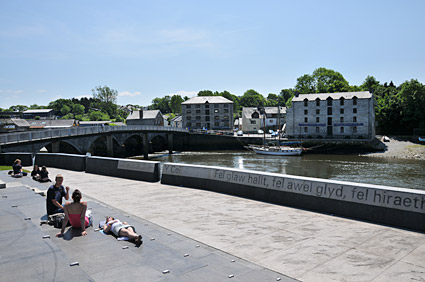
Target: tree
<point>370,84</point>
<point>18,108</point>
<point>273,100</point>
<point>98,115</point>
<point>175,104</point>
<point>78,109</point>
<point>206,93</point>
<point>59,103</point>
<point>412,103</point>
<point>329,81</point>
<point>305,84</point>
<point>252,98</point>
<point>105,94</point>
<point>65,109</point>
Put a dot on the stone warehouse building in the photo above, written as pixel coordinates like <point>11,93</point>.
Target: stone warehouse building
<point>210,112</point>
<point>253,119</point>
<point>347,115</point>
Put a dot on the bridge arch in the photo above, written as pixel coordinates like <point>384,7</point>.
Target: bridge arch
<point>99,146</point>
<point>133,145</point>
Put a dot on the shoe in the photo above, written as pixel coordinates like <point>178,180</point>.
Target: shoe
<point>138,241</point>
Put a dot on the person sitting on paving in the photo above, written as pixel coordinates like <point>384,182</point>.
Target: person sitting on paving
<point>35,173</point>
<point>44,175</point>
<point>17,169</point>
<point>122,229</point>
<point>55,193</point>
<point>76,213</point>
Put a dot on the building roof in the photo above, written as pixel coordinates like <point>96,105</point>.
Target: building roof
<point>38,111</point>
<point>148,114</point>
<point>177,118</point>
<point>16,121</point>
<point>209,99</point>
<point>51,123</point>
<point>93,122</point>
<point>324,96</point>
<point>248,111</point>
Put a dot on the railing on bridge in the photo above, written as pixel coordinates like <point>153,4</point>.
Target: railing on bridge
<point>8,138</point>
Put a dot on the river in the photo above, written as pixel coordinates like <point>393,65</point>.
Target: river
<point>381,171</point>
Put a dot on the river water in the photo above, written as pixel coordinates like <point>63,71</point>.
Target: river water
<point>371,170</point>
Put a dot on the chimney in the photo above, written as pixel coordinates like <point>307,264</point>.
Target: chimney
<point>141,114</point>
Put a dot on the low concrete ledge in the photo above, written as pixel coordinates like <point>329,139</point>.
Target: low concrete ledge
<point>380,204</point>
<point>9,158</point>
<point>65,161</point>
<point>124,168</point>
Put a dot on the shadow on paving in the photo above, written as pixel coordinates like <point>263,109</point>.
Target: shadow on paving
<point>163,256</point>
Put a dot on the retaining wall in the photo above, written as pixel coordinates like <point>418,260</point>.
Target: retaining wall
<point>124,168</point>
<point>9,158</point>
<point>379,204</point>
<point>65,161</point>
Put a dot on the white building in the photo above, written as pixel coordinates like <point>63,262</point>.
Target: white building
<point>210,112</point>
<point>332,115</point>
<point>145,117</point>
<point>253,120</point>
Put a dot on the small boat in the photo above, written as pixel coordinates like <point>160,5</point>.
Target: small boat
<point>276,150</point>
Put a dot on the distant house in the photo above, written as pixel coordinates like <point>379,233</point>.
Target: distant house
<point>253,120</point>
<point>332,115</point>
<point>52,123</point>
<point>210,112</point>
<point>145,117</point>
<point>177,122</point>
<point>8,115</point>
<point>42,113</point>
<point>12,124</point>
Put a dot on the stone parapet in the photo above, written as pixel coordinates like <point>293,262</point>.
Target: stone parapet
<point>379,204</point>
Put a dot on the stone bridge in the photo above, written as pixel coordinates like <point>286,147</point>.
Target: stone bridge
<point>112,141</point>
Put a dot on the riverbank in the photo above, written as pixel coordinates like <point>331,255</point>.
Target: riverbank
<point>401,149</point>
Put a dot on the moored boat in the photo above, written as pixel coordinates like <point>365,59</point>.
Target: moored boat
<point>276,150</point>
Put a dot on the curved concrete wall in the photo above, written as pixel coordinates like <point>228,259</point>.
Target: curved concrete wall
<point>386,205</point>
<point>124,168</point>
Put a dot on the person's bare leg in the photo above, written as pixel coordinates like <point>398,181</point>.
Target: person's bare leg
<point>128,232</point>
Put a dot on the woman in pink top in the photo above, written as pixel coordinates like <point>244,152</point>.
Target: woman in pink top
<point>75,213</point>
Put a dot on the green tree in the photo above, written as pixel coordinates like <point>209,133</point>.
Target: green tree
<point>252,98</point>
<point>78,109</point>
<point>370,84</point>
<point>98,116</point>
<point>412,102</point>
<point>273,100</point>
<point>18,108</point>
<point>59,103</point>
<point>162,104</point>
<point>305,84</point>
<point>65,109</point>
<point>105,94</point>
<point>175,104</point>
<point>329,81</point>
<point>287,94</point>
<point>206,93</point>
<point>68,116</point>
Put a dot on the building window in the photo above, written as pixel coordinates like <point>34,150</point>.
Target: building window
<point>354,119</point>
<point>226,123</point>
<point>354,100</point>
<point>226,111</point>
<point>198,111</point>
<point>208,125</point>
<point>354,110</point>
<point>216,110</point>
<point>197,106</point>
<point>341,101</point>
<point>226,105</point>
<point>207,118</point>
<point>317,129</point>
<point>329,100</point>
<point>198,117</point>
<point>188,106</point>
<point>305,129</point>
<point>317,112</point>
<point>188,112</point>
<point>306,112</point>
<point>253,121</point>
<point>342,129</point>
<point>189,118</point>
<point>305,119</point>
<point>198,124</point>
<point>216,124</point>
<point>317,119</point>
<point>354,129</point>
<point>329,111</point>
<point>317,102</point>
<point>207,112</point>
<point>226,117</point>
<point>305,102</point>
<point>341,119</point>
<point>189,124</point>
<point>341,111</point>
<point>329,121</point>
<point>207,106</point>
<point>216,117</point>
<point>215,106</point>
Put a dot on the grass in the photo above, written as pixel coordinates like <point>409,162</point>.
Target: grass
<point>9,167</point>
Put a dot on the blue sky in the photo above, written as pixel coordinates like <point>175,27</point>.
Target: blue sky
<point>146,49</point>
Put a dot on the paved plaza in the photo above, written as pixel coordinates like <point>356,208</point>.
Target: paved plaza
<point>235,239</point>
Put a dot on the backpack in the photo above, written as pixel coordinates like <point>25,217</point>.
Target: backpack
<point>56,219</point>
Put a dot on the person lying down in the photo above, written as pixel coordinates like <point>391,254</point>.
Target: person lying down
<point>121,229</point>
